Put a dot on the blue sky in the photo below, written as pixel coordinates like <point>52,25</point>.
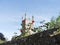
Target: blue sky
<point>11,12</point>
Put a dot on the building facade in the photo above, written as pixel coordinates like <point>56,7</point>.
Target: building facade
<point>27,25</point>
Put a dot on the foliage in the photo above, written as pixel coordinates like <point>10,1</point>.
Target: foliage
<point>52,23</point>
<point>2,41</point>
<point>2,38</point>
<point>58,20</point>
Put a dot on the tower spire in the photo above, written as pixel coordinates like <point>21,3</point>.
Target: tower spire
<point>32,19</point>
<point>22,17</point>
<point>25,15</point>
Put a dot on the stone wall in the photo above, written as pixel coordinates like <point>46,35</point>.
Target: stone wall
<point>42,38</point>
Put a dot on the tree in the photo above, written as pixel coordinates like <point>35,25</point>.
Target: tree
<point>2,38</point>
<point>52,23</point>
<point>58,20</point>
<point>15,36</point>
